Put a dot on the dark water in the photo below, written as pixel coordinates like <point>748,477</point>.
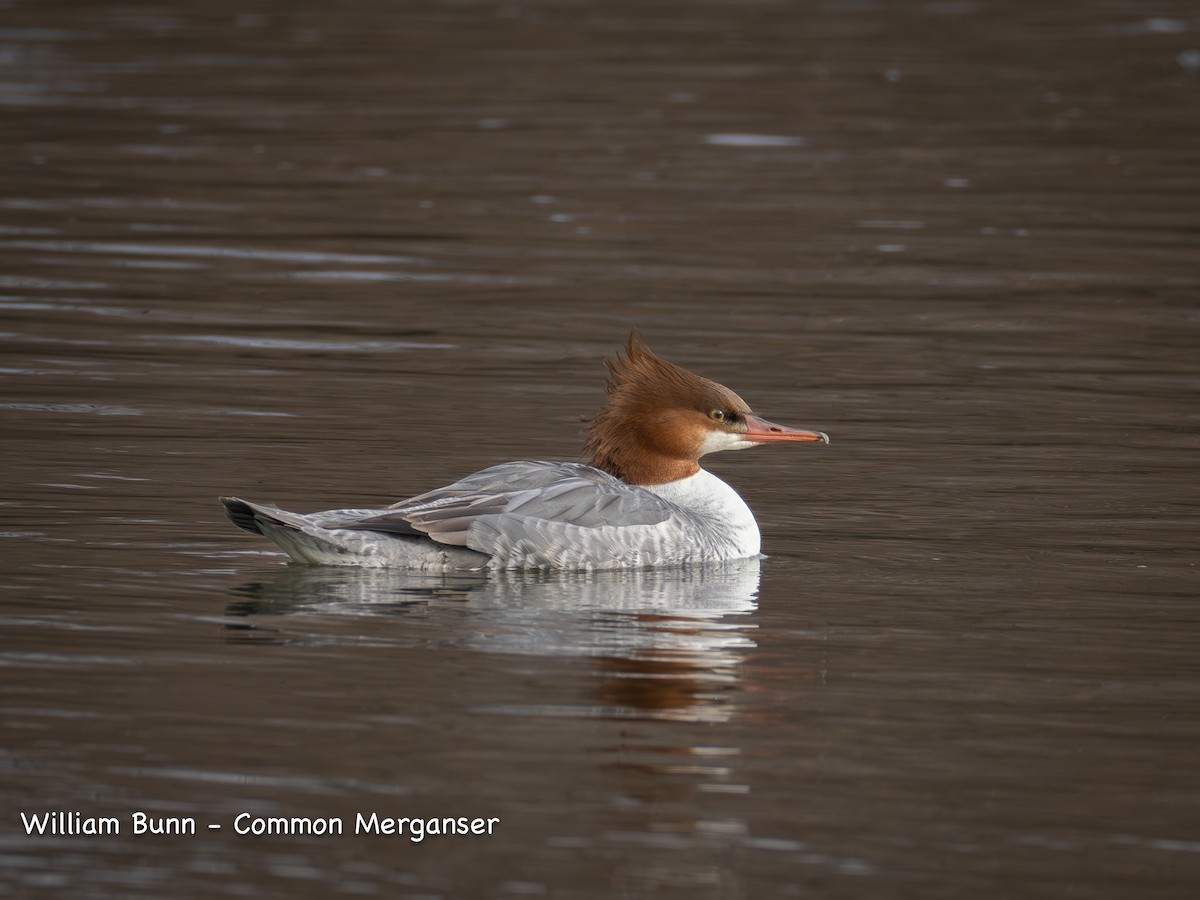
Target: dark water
<point>338,254</point>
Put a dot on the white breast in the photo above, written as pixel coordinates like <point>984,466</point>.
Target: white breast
<point>726,513</point>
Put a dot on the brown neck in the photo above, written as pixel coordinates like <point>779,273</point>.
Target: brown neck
<point>643,469</point>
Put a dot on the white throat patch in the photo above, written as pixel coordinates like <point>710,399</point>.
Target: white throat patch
<point>723,440</point>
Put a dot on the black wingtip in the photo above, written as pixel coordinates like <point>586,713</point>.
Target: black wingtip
<point>241,514</point>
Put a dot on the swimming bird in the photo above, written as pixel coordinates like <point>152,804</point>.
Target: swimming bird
<point>643,500</point>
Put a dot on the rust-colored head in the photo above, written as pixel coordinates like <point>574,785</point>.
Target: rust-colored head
<point>660,419</point>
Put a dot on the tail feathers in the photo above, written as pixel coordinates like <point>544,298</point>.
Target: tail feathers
<point>307,540</point>
<point>250,516</point>
<point>302,540</point>
<point>241,514</point>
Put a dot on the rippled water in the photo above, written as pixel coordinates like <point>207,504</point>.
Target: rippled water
<point>335,256</point>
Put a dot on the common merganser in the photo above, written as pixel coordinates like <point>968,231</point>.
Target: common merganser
<point>643,500</point>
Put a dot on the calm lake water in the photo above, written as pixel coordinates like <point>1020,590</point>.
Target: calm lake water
<point>335,255</point>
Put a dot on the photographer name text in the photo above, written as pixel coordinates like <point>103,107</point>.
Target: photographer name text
<point>416,829</point>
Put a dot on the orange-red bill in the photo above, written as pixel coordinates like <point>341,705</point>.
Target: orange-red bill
<point>761,431</point>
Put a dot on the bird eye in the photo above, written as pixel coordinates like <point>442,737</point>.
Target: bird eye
<point>717,415</point>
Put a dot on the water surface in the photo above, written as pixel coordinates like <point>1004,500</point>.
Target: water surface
<point>328,257</point>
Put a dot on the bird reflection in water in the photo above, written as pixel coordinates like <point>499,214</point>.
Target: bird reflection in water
<point>669,642</point>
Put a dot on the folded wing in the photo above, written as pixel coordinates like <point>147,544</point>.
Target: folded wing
<point>530,514</point>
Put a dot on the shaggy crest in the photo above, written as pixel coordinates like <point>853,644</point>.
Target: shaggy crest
<point>637,436</point>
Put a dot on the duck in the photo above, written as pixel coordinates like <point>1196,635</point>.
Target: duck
<point>641,501</point>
